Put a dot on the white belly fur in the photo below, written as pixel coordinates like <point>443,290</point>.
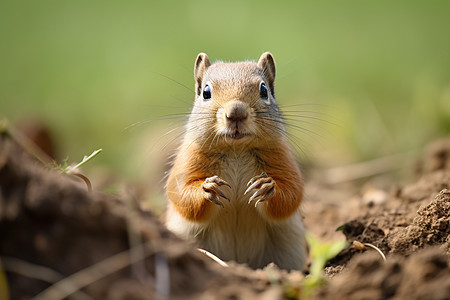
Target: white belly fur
<point>239,232</point>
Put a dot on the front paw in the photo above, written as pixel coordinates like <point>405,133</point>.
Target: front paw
<point>264,187</point>
<point>211,189</point>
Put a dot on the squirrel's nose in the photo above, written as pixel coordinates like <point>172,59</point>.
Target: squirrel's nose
<point>236,111</point>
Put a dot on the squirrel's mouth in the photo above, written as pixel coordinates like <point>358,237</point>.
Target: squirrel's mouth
<point>236,134</point>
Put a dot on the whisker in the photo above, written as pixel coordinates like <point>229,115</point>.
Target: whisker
<point>311,118</point>
<point>290,138</point>
<point>206,139</point>
<point>199,127</point>
<point>170,141</point>
<point>303,104</point>
<point>312,134</point>
<point>302,114</point>
<point>152,120</point>
<point>217,141</point>
<point>173,80</point>
<point>289,119</point>
<point>284,111</point>
<point>163,117</point>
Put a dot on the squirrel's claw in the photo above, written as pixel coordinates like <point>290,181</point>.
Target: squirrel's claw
<point>252,181</point>
<point>265,192</point>
<point>213,198</point>
<point>266,196</point>
<point>221,194</point>
<point>212,191</point>
<point>264,186</point>
<point>255,182</point>
<point>218,180</point>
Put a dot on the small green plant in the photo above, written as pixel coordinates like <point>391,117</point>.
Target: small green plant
<point>69,169</point>
<point>321,252</point>
<point>74,169</point>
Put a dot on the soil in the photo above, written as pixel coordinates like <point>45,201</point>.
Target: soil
<point>58,240</point>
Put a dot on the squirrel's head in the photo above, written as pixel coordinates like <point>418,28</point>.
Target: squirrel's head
<point>235,102</point>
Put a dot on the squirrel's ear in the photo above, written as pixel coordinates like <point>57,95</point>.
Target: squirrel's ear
<point>201,64</point>
<point>267,64</point>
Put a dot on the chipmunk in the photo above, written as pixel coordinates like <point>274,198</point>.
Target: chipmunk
<point>235,185</point>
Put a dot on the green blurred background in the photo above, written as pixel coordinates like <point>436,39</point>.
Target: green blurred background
<point>375,74</point>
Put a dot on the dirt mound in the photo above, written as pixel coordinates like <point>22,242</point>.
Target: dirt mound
<point>430,226</point>
<point>412,227</point>
<point>423,275</point>
<point>413,219</point>
<point>59,240</point>
<point>51,228</point>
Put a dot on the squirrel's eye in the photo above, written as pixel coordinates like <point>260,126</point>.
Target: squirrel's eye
<point>207,92</point>
<point>263,91</point>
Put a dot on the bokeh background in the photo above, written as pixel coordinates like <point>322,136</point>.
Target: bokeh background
<point>373,77</point>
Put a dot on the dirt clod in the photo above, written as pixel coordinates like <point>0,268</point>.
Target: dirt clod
<point>430,226</point>
<point>423,275</point>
